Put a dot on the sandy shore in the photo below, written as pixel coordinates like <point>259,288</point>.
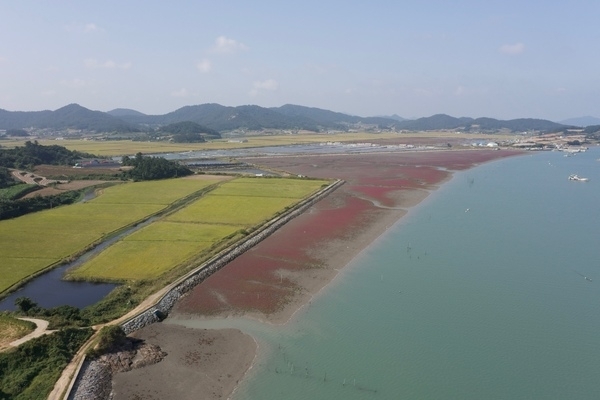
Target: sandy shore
<point>277,277</point>
<point>200,364</point>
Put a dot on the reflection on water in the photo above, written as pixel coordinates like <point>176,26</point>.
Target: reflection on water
<point>48,290</point>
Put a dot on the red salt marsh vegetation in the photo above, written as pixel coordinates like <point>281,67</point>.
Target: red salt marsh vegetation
<point>277,276</point>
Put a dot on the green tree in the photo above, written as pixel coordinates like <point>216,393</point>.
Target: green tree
<point>25,304</point>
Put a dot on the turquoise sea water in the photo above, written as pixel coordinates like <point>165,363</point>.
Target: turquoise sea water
<point>480,292</point>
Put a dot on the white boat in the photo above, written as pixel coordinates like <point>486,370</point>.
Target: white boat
<point>575,177</point>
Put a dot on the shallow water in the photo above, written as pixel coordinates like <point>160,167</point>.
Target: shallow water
<point>49,290</point>
<point>480,292</point>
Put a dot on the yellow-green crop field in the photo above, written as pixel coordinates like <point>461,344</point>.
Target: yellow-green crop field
<point>243,211</point>
<point>261,187</point>
<point>128,147</point>
<point>152,192</point>
<point>153,250</point>
<point>233,206</point>
<point>35,241</point>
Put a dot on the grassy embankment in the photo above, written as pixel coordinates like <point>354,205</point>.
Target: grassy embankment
<point>35,242</point>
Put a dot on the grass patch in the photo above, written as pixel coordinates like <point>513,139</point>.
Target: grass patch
<point>12,329</point>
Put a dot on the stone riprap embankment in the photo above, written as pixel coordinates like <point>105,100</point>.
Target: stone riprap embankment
<point>94,378</point>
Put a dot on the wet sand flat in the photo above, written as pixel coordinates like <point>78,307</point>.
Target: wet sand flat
<point>274,279</point>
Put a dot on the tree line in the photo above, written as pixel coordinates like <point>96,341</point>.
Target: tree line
<point>10,208</point>
<point>33,153</point>
<point>151,168</point>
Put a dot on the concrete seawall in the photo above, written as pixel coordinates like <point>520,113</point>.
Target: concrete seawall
<point>91,385</point>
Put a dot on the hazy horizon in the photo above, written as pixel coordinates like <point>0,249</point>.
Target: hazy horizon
<point>503,60</point>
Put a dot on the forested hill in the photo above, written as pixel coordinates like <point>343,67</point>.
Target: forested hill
<point>220,118</point>
<point>33,153</point>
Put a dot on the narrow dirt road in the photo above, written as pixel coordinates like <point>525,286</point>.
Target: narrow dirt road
<point>41,329</point>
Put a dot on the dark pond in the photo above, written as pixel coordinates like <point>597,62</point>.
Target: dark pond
<point>49,290</point>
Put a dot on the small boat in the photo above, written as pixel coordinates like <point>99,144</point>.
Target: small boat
<point>575,177</point>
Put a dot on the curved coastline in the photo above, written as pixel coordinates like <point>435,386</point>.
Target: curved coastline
<point>339,250</point>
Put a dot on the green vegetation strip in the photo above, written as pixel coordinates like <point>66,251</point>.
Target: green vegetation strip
<point>233,207</point>
<point>35,242</point>
<point>16,191</point>
<point>31,370</point>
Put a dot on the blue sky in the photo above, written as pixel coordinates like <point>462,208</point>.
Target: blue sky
<point>502,59</point>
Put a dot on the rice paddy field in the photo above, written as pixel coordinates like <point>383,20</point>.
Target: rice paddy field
<point>152,251</point>
<point>127,147</point>
<point>187,234</point>
<point>35,242</point>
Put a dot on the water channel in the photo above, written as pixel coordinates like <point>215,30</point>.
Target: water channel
<point>50,290</point>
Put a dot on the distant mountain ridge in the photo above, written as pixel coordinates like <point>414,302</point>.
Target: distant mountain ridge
<point>252,117</point>
<point>581,121</point>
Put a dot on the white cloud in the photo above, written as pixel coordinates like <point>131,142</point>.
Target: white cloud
<point>512,49</point>
<point>180,93</point>
<point>460,90</point>
<point>48,93</point>
<point>266,85</point>
<point>204,66</point>
<point>109,64</point>
<point>228,46</point>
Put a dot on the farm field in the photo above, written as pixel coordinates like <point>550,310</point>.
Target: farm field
<point>232,207</point>
<point>34,242</point>
<point>153,250</point>
<point>126,147</point>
